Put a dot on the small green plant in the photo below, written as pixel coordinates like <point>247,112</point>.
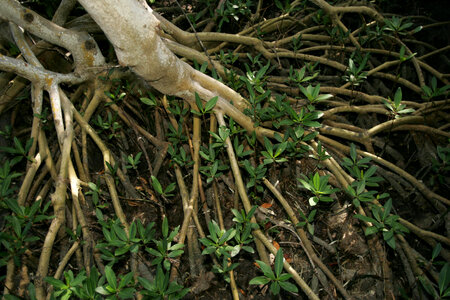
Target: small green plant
<point>109,124</point>
<point>355,75</point>
<point>115,97</point>
<point>219,139</point>
<point>165,250</point>
<point>337,34</point>
<point>321,153</point>
<point>118,243</point>
<point>225,268</point>
<point>243,219</point>
<point>133,161</point>
<point>297,43</point>
<point>396,107</point>
<point>256,110</point>
<point>305,117</point>
<point>441,165</point>
<point>307,220</point>
<point>6,176</point>
<point>434,91</point>
<point>233,11</point>
<point>179,156</point>
<point>256,79</point>
<point>277,279</point>
<point>216,241</point>
<point>147,233</point>
<point>43,117</point>
<point>202,110</point>
<point>255,61</point>
<point>161,287</point>
<point>284,6</point>
<point>124,290</point>
<point>17,236</point>
<point>353,162</point>
<point>18,151</point>
<point>398,27</point>
<point>256,174</point>
<point>298,76</point>
<point>239,148</point>
<point>150,100</point>
<point>7,132</point>
<point>319,186</point>
<point>159,189</point>
<point>402,55</point>
<point>213,171</point>
<point>443,279</point>
<point>384,222</point>
<point>228,58</point>
<point>357,190</point>
<point>176,135</point>
<point>273,152</point>
<point>112,171</point>
<point>312,94</point>
<point>64,290</point>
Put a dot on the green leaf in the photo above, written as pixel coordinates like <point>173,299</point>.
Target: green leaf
<point>16,226</point>
<point>268,146</point>
<point>387,209</point>
<point>398,97</point>
<point>288,286</point>
<point>279,262</point>
<point>370,230</point>
<point>267,270</point>
<point>120,232</point>
<point>444,278</point>
<point>389,238</point>
<point>148,101</point>
<point>127,293</point>
<point>436,250</point>
<point>146,284</point>
<point>427,286</point>
<point>19,146</point>
<point>58,284</point>
<point>102,291</point>
<point>156,185</point>
<point>275,288</point>
<point>125,280</point>
<point>111,277</point>
<point>211,103</point>
<point>284,277</point>
<point>165,227</point>
<point>259,280</point>
<point>199,103</point>
<point>14,206</point>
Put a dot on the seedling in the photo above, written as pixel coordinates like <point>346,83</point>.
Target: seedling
<point>123,290</point>
<point>355,75</point>
<point>318,185</point>
<point>307,221</point>
<point>384,222</point>
<point>276,279</point>
<point>133,161</point>
<point>165,249</point>
<point>273,152</point>
<point>216,241</point>
<point>312,94</point>
<point>162,287</point>
<point>202,110</point>
<point>434,91</point>
<point>159,189</point>
<point>18,151</point>
<point>396,107</point>
<point>64,290</point>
